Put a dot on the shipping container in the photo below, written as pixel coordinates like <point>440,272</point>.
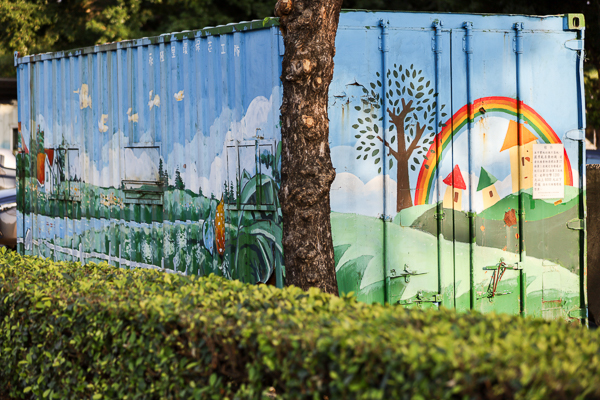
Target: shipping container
<point>457,140</point>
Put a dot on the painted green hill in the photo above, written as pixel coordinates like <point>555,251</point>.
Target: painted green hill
<point>545,231</point>
<point>534,209</point>
<point>363,263</point>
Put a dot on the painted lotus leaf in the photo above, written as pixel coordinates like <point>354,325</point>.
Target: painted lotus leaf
<point>208,235</point>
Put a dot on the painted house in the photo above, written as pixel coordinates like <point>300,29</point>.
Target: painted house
<point>50,171</point>
<point>456,185</point>
<point>487,188</point>
<point>521,156</point>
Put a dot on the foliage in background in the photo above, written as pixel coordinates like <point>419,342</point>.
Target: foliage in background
<point>592,98</point>
<point>70,332</point>
<point>33,26</point>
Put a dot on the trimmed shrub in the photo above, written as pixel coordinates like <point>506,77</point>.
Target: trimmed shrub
<point>69,331</point>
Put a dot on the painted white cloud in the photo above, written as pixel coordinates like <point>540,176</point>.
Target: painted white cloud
<point>255,121</point>
<point>141,165</point>
<point>344,160</point>
<point>504,188</point>
<point>109,174</point>
<point>208,171</point>
<point>350,195</point>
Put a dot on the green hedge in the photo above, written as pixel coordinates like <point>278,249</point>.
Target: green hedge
<point>96,332</point>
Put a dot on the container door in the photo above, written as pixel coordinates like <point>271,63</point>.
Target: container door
<point>553,228</point>
<point>486,224</point>
<point>418,239</point>
<point>514,249</point>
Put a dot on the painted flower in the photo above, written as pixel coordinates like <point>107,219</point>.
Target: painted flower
<point>220,227</point>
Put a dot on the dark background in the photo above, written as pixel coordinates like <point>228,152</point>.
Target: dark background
<point>37,26</point>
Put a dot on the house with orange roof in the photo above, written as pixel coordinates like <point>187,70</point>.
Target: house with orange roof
<point>456,185</point>
<point>521,155</point>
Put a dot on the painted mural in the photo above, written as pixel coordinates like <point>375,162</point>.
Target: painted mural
<point>227,221</point>
<point>167,154</point>
<point>454,189</point>
<point>440,188</point>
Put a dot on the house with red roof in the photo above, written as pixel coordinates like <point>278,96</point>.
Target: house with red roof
<point>456,185</point>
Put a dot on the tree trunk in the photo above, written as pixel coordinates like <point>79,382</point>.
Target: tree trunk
<point>403,196</point>
<point>402,155</point>
<point>309,29</point>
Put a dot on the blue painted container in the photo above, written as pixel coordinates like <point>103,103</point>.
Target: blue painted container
<point>457,141</point>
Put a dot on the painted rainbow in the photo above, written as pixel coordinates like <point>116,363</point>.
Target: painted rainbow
<point>454,126</point>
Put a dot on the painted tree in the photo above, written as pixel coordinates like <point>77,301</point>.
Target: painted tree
<point>161,171</point>
<point>410,104</point>
<point>309,28</point>
<point>178,181</point>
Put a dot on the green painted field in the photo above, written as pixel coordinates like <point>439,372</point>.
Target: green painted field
<point>364,259</point>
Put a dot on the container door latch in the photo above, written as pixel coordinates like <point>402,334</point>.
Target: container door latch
<point>421,298</point>
<point>406,274</point>
<point>576,224</point>
<point>575,134</point>
<point>574,44</point>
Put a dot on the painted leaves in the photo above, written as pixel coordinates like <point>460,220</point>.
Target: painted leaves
<point>408,101</point>
<point>419,119</point>
<point>208,234</point>
<point>370,125</point>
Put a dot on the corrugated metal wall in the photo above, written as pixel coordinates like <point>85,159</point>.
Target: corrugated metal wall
<point>111,132</point>
<point>444,131</point>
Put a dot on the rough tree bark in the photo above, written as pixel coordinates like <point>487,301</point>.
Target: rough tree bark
<point>309,28</point>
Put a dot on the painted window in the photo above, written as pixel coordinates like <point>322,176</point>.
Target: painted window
<point>251,173</point>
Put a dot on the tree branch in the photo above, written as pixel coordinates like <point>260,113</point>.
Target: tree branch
<point>417,139</point>
<point>398,120</point>
<point>392,152</point>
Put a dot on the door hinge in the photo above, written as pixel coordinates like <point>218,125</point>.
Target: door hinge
<point>420,298</point>
<point>574,44</point>
<point>578,313</point>
<point>383,48</point>
<point>576,224</point>
<point>383,38</point>
<point>467,41</point>
<point>575,134</point>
